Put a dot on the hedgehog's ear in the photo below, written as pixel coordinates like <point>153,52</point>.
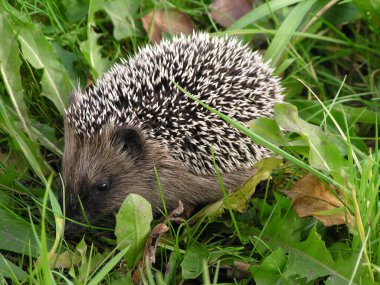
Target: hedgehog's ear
<point>130,140</point>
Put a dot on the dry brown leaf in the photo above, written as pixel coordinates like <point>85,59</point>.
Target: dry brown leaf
<point>226,12</point>
<point>152,242</point>
<point>311,196</point>
<point>170,21</point>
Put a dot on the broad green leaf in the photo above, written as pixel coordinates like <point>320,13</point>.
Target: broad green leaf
<point>10,270</point>
<point>123,14</point>
<point>193,260</point>
<point>285,32</point>
<point>56,85</point>
<point>260,12</point>
<point>270,270</point>
<point>324,154</point>
<point>16,235</point>
<point>268,129</point>
<point>10,63</point>
<point>133,226</point>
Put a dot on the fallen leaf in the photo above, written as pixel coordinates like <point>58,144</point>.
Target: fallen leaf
<point>312,198</point>
<point>226,12</point>
<point>169,21</point>
<point>151,244</point>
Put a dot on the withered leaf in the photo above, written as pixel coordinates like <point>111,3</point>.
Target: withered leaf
<point>312,198</point>
<point>152,242</point>
<point>226,12</point>
<point>158,22</point>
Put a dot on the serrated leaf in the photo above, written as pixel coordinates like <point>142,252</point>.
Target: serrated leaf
<point>270,270</point>
<point>133,226</point>
<point>10,63</point>
<point>324,154</point>
<point>91,51</point>
<point>282,223</point>
<point>123,14</point>
<point>311,259</point>
<point>55,82</point>
<point>90,48</point>
<point>192,264</point>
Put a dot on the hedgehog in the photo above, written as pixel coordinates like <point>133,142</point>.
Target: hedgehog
<point>135,121</point>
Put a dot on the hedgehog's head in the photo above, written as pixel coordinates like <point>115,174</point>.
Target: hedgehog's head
<point>100,171</point>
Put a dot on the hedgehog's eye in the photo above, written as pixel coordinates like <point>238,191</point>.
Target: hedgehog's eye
<point>102,186</point>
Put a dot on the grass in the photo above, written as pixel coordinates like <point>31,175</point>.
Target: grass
<point>327,55</point>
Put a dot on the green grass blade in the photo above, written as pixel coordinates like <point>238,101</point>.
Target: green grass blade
<point>108,267</point>
<point>286,31</point>
<point>44,263</point>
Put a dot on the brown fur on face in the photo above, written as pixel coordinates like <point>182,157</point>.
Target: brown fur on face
<point>124,159</point>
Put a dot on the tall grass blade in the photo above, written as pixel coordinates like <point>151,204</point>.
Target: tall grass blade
<point>286,31</point>
<point>108,267</point>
